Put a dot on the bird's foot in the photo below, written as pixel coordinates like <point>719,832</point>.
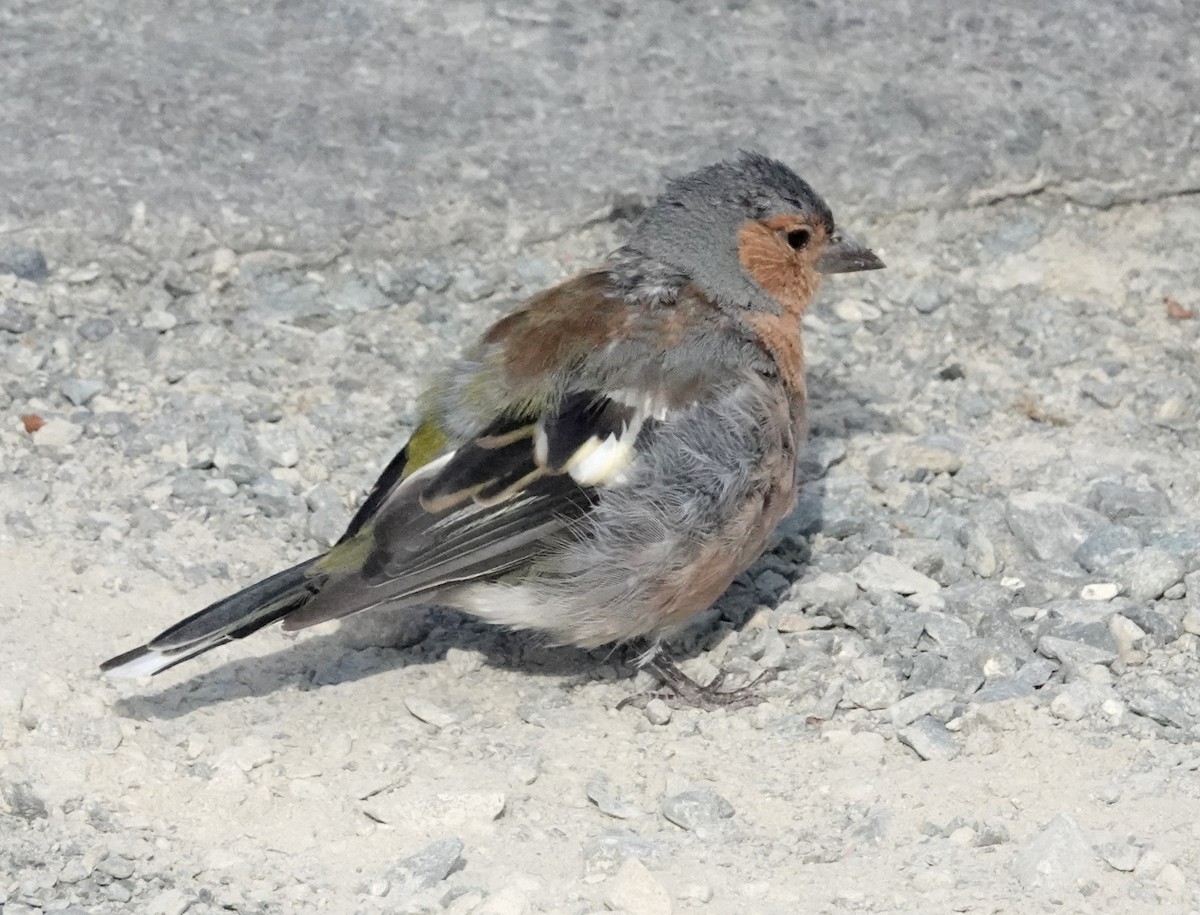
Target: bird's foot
<point>684,692</point>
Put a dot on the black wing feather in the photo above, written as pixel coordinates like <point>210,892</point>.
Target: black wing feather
<point>387,482</point>
<point>475,468</point>
<point>581,416</point>
<point>423,550</point>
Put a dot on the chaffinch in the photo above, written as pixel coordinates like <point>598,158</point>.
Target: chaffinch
<point>609,455</point>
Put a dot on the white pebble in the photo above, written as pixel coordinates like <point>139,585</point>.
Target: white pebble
<point>57,433</point>
<point>635,890</point>
<point>159,320</point>
<point>430,713</point>
<point>1104,590</point>
<point>1191,620</point>
<point>657,711</point>
<point>224,260</point>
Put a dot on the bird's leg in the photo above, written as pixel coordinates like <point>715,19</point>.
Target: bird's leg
<point>686,691</point>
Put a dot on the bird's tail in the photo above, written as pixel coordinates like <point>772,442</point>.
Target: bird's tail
<point>233,617</point>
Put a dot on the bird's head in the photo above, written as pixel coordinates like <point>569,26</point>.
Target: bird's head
<point>751,233</point>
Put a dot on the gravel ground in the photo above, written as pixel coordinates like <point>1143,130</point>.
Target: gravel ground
<point>224,271</point>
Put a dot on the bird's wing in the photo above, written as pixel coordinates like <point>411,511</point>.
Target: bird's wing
<point>485,507</point>
<point>441,515</point>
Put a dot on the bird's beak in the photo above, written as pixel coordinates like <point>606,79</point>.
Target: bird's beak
<point>846,254</point>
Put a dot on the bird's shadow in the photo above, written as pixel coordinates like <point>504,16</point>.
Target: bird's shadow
<point>339,657</point>
<point>837,414</point>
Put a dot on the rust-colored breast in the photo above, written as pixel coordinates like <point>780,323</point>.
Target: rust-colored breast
<point>780,336</point>
<point>789,277</point>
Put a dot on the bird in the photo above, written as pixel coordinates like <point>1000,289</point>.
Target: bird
<point>608,456</point>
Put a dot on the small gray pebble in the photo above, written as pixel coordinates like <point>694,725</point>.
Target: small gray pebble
<point>1160,701</point>
<point>871,829</point>
<point>770,583</point>
<point>929,739</point>
<point>825,590</point>
<point>1149,572</point>
<point>1118,502</point>
<point>1177,591</point>
<point>20,800</point>
<point>398,287</point>
<point>1023,683</point>
<point>925,670</point>
<point>1048,526</point>
<point>232,449</point>
<point>535,271</point>
<point>1013,236</point>
<point>194,575</point>
<point>917,504</point>
<point>932,454</point>
<point>428,867</point>
<point>118,891</point>
<point>80,390</point>
<point>1105,393</point>
<point>117,867</point>
<point>887,574</point>
<point>904,626</point>
<point>1078,620</point>
<point>927,298</point>
<point>159,319</point>
<point>979,550</point>
<point>471,286</point>
<point>918,705</point>
<point>355,294</point>
<point>946,630</point>
<point>26,263</point>
<point>1184,543</point>
<point>1107,547</point>
<point>874,693</point>
<point>176,281</point>
<point>1191,585</point>
<point>94,329</point>
<point>600,793</point>
<point>15,321</point>
<point>222,486</point>
<point>329,517</point>
<point>1120,856</point>
<point>975,405</point>
<point>1059,857</point>
<point>20,524</point>
<point>432,277</point>
<point>1072,652</point>
<point>988,834</point>
<point>273,497</point>
<point>603,854</point>
<point>112,424</point>
<point>278,446</point>
<point>838,515</point>
<point>696,807</point>
<point>1076,699</point>
<point>173,901</point>
<point>871,620</point>
<point>277,299</point>
<point>1159,626</point>
<point>819,455</point>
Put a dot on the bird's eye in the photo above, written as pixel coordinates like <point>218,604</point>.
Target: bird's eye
<point>798,238</point>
